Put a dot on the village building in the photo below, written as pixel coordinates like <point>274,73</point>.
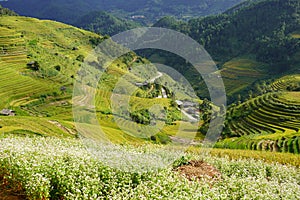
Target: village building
<point>7,112</point>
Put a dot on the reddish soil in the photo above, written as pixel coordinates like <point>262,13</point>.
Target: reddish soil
<point>199,170</point>
<point>6,194</point>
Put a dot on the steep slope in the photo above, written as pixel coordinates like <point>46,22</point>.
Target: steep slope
<point>263,32</point>
<point>104,23</point>
<point>144,10</point>
<point>270,121</point>
<point>6,12</point>
<point>39,61</point>
<point>36,61</point>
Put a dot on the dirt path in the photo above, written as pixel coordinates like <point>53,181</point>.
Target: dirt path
<point>59,125</point>
<point>180,140</point>
<point>159,74</point>
<point>191,118</point>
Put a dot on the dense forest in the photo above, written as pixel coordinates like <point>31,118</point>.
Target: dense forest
<point>262,29</point>
<point>104,23</point>
<point>146,11</point>
<point>265,31</point>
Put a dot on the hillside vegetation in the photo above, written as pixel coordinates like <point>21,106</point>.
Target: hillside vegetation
<point>104,23</point>
<point>49,168</point>
<point>145,11</point>
<point>6,12</point>
<point>49,73</point>
<point>263,32</point>
<point>268,122</point>
<point>39,61</point>
<point>36,60</point>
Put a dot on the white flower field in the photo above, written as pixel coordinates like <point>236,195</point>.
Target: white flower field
<point>64,169</point>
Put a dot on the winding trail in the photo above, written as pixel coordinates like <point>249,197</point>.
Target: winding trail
<point>191,118</point>
<point>159,74</point>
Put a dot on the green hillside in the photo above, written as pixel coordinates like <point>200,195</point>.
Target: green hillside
<point>6,12</point>
<point>55,92</point>
<point>258,55</point>
<point>265,33</point>
<point>39,60</point>
<point>49,45</point>
<point>104,23</point>
<point>269,122</point>
<point>144,11</point>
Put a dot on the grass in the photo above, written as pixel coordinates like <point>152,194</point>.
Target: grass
<point>19,44</point>
<point>238,76</point>
<point>293,97</point>
<point>288,159</point>
<point>269,157</point>
<point>32,126</point>
<point>287,81</point>
<point>296,34</point>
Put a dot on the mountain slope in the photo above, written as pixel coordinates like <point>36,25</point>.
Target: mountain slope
<point>70,11</point>
<point>264,33</point>
<point>39,62</point>
<point>267,122</point>
<point>23,86</point>
<point>6,12</point>
<point>104,23</point>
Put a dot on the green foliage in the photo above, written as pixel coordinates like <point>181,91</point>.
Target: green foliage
<point>265,26</point>
<point>32,42</point>
<point>183,160</point>
<point>150,9</point>
<point>262,31</point>
<point>95,41</point>
<point>80,58</point>
<point>160,138</point>
<point>7,12</point>
<point>141,116</point>
<point>277,49</point>
<point>49,168</point>
<point>104,23</point>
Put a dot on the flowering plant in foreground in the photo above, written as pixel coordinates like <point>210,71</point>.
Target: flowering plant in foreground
<point>51,168</point>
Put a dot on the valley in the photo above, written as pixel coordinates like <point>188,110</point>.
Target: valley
<point>74,125</point>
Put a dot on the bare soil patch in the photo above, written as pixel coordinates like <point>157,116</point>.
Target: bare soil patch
<point>6,194</point>
<point>198,170</point>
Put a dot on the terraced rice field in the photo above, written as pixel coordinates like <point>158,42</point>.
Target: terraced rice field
<point>13,58</point>
<point>270,113</point>
<point>285,82</point>
<point>270,122</point>
<point>35,95</point>
<point>31,126</point>
<point>237,74</point>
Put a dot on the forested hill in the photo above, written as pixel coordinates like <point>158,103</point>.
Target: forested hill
<point>104,23</point>
<point>242,5</point>
<point>70,11</point>
<point>266,30</point>
<point>6,12</point>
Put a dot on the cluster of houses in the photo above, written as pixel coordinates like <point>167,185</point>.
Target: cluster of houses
<point>139,84</point>
<point>137,17</point>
